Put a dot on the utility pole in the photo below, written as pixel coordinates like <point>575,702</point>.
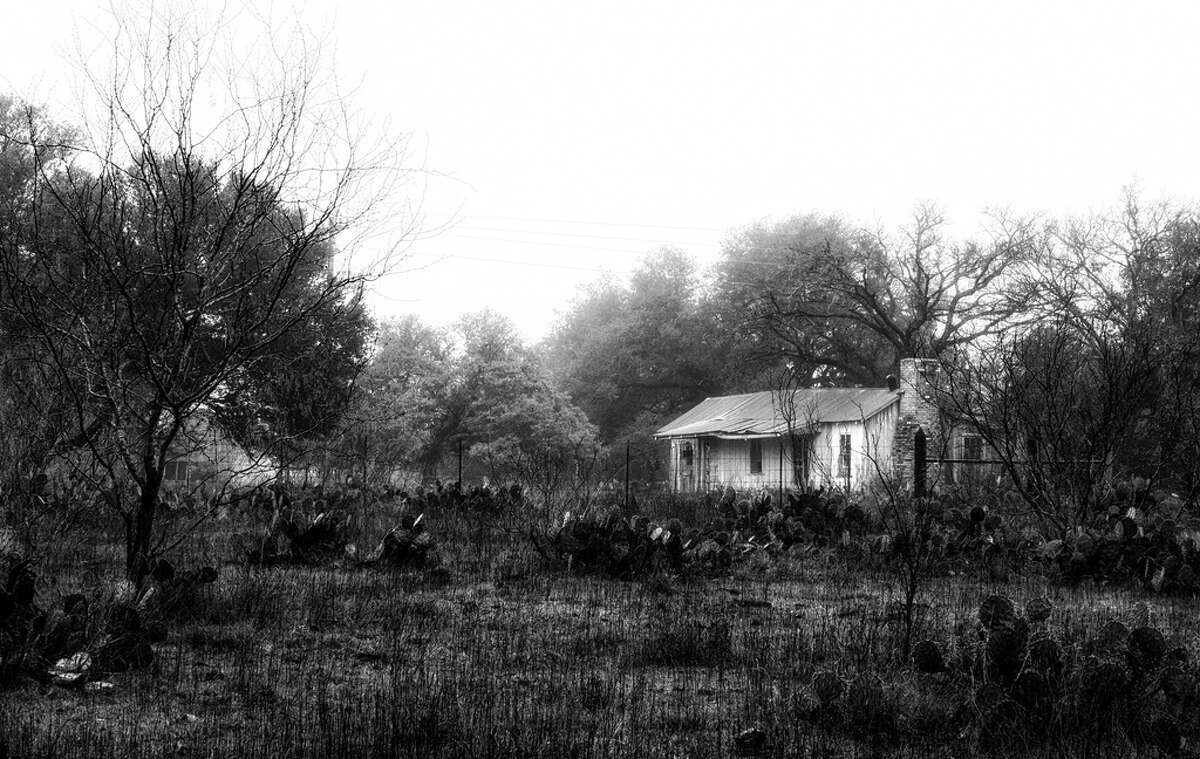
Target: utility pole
<point>627,475</point>
<point>919,455</point>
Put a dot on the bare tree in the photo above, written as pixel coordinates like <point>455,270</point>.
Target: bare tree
<point>1056,409</point>
<point>845,305</point>
<point>188,248</point>
<point>1107,383</point>
<point>1132,279</point>
<point>797,419</point>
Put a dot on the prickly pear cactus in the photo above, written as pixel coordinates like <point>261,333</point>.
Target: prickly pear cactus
<point>927,658</point>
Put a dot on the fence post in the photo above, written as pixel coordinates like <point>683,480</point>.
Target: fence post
<point>627,475</point>
<point>919,463</point>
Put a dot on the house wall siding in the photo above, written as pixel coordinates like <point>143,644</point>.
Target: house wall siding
<point>725,462</point>
<point>880,444</point>
<point>730,464</point>
<point>720,462</point>
<point>871,445</point>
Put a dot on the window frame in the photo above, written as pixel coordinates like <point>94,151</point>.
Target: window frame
<point>975,441</point>
<point>176,470</point>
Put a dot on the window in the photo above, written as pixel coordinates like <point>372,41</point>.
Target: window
<point>175,470</point>
<point>844,456</point>
<point>972,448</point>
<point>755,457</point>
<point>685,453</point>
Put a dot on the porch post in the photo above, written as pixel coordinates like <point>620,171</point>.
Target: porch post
<point>674,465</point>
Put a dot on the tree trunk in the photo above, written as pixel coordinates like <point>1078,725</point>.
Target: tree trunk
<point>139,530</point>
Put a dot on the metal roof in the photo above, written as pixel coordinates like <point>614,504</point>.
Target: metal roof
<point>752,414</point>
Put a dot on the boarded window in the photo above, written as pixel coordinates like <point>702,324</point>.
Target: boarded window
<point>844,456</point>
<point>175,470</point>
<point>972,448</point>
<point>756,457</point>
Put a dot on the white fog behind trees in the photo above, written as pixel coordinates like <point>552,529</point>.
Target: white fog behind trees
<point>561,141</point>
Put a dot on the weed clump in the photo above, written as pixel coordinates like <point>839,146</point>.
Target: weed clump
<point>687,640</point>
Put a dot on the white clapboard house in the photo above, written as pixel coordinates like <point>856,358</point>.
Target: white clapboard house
<point>846,438</point>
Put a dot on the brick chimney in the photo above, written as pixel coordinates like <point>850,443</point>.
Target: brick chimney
<point>917,401</point>
<point>918,409</point>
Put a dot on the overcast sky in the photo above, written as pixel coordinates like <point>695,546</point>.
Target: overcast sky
<point>564,139</point>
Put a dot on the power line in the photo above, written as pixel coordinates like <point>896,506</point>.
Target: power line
<point>781,264</point>
<point>647,240</point>
<point>376,292</point>
<point>515,262</point>
<point>548,244</point>
<point>751,262</point>
<point>601,223</point>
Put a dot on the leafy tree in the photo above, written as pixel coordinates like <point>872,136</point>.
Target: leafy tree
<point>164,269</point>
<point>427,391</point>
<point>387,424</point>
<point>290,404</point>
<point>1166,441</point>
<point>634,355</point>
<point>499,391</point>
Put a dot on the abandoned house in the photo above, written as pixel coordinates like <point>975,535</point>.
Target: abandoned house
<point>203,453</point>
<point>844,438</point>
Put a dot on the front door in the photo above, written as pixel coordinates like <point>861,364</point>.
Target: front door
<point>687,466</point>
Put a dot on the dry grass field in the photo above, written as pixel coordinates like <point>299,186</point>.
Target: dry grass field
<point>492,653</point>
